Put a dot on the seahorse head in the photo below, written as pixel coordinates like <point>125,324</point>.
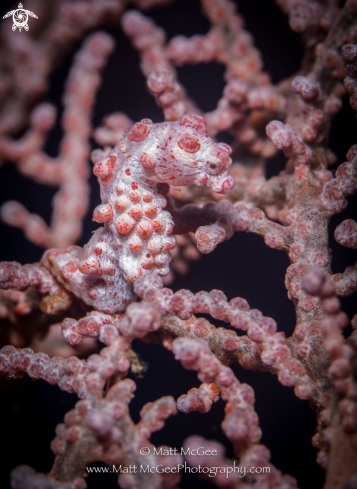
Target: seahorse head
<point>182,153</point>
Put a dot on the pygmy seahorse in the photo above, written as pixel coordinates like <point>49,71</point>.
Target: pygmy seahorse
<point>135,239</point>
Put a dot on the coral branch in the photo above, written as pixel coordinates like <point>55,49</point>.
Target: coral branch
<point>226,218</point>
<point>346,282</point>
<point>271,345</point>
<point>340,437</point>
<point>199,400</point>
<point>55,298</point>
<point>241,422</point>
<point>346,234</point>
<point>161,76</point>
<point>69,169</point>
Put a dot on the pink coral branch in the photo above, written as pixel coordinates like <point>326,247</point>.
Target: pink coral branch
<point>346,282</point>
<point>54,298</point>
<point>341,419</point>
<point>161,76</point>
<point>199,400</point>
<point>226,218</point>
<point>271,345</point>
<point>346,234</point>
<point>241,422</point>
<point>69,170</point>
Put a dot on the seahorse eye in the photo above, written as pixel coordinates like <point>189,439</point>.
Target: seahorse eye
<point>214,168</point>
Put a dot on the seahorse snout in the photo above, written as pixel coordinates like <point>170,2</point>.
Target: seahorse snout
<point>222,184</point>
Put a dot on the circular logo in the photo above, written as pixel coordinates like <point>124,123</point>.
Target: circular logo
<point>20,18</point>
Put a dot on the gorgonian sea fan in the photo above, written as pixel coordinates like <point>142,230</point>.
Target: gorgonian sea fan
<point>172,192</point>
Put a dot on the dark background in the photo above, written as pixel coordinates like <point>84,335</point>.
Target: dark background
<point>243,266</point>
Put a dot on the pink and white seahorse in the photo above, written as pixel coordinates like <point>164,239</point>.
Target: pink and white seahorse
<point>135,239</point>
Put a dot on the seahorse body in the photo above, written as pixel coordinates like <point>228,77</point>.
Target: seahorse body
<point>135,239</point>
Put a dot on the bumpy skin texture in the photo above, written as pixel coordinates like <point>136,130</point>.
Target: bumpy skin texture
<point>135,239</point>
